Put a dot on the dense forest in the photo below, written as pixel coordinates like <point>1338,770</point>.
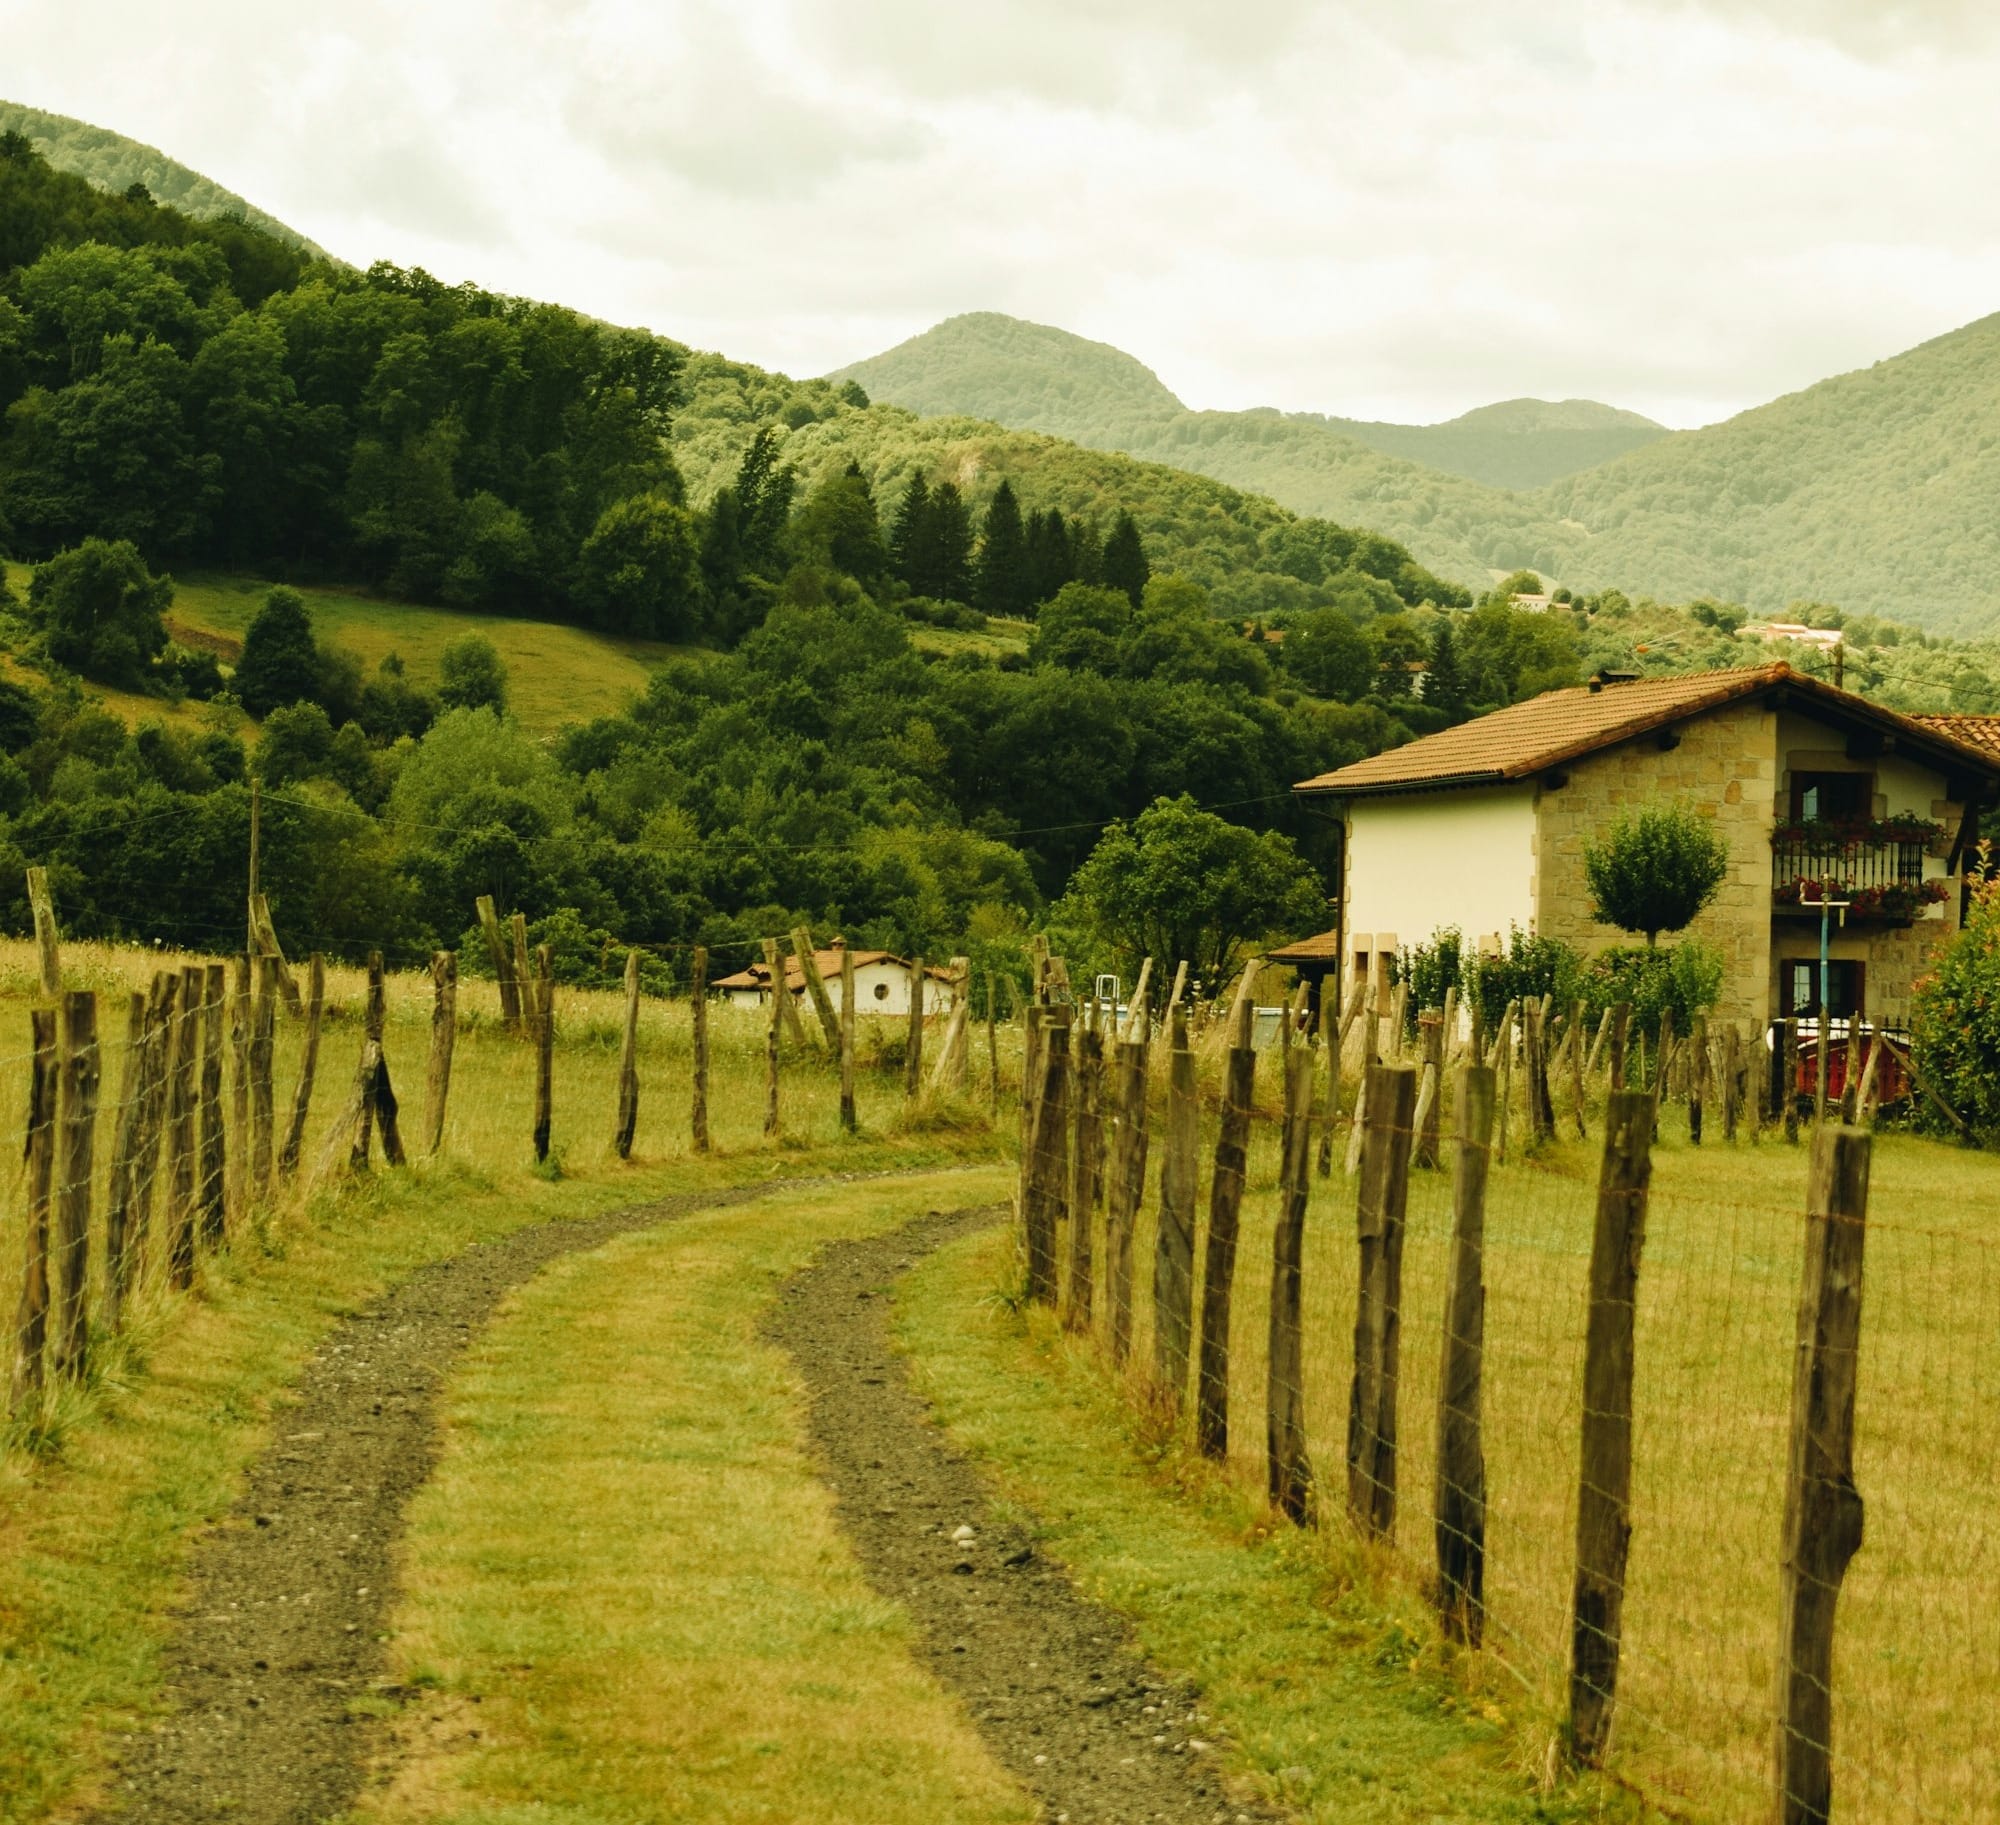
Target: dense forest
<point>1871,490</point>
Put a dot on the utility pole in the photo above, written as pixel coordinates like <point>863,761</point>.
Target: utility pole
<point>1827,906</point>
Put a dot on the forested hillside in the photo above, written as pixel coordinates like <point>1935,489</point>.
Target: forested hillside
<point>113,162</point>
<point>1871,490</point>
<point>1519,443</point>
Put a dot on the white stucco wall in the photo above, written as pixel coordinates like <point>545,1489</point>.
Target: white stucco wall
<point>879,988</point>
<point>1417,862</point>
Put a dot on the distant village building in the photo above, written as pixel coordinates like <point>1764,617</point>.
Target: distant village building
<point>1769,631</point>
<point>1813,789</point>
<point>1533,605</point>
<point>881,983</point>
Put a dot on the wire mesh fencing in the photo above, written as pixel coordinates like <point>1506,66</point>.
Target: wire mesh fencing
<point>1637,1470</point>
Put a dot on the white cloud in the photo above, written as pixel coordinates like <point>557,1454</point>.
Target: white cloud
<point>1384,210</point>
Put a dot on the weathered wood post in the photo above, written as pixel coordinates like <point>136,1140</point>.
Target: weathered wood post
<point>1697,1077</point>
<point>774,975</point>
<point>1789,1070</point>
<point>374,1022</point>
<point>849,1116</point>
<point>1823,1509</point>
<point>1504,1087</point>
<point>31,1324</point>
<point>1086,1169</point>
<point>1459,1496</point>
<point>545,1048</point>
<point>913,1046</point>
<point>120,1198</point>
<point>262,1144</point>
<point>151,1137</point>
<point>628,1060</point>
<point>78,1149</point>
<point>829,1021</point>
<point>1378,1319</point>
<point>1047,1190</point>
<point>1173,1247</point>
<point>1430,1088</point>
<point>238,1192</point>
<point>295,1130</point>
<point>444,1042</point>
<point>698,1016</point>
<point>1335,1036</point>
<point>524,970</point>
<point>992,1046</point>
<point>1288,1471</point>
<point>1128,1186</point>
<point>1730,1064</point>
<point>1225,1207</point>
<point>503,964</point>
<point>183,1095</point>
<point>1604,1496</point>
<point>958,1046</point>
<point>1574,1048</point>
<point>214,1159</point>
<point>46,946</point>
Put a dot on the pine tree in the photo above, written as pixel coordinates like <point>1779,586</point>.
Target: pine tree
<point>1444,680</point>
<point>950,545</point>
<point>1003,585</point>
<point>909,537</point>
<point>1051,562</point>
<point>1125,565</point>
<point>1086,552</point>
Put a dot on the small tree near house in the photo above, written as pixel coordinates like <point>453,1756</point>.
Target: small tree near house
<point>1654,870</point>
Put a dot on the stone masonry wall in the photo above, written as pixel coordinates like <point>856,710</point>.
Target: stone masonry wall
<point>1726,766</point>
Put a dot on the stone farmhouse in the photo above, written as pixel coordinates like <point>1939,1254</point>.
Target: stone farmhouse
<point>1483,827</point>
<point>881,983</point>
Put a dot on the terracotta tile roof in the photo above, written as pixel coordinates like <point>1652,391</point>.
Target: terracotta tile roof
<point>827,962</point>
<point>1975,731</point>
<point>1322,947</point>
<point>1526,738</point>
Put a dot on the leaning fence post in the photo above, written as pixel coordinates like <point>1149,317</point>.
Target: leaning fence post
<point>628,1061</point>
<point>444,1041</point>
<point>73,1185</point>
<point>1225,1206</point>
<point>295,1132</point>
<point>698,1021</point>
<point>1047,1186</point>
<point>1604,1497</point>
<point>1460,1490</point>
<point>1173,1249</point>
<point>1823,1509</point>
<point>1379,1213</point>
<point>31,1325</point>
<point>503,964</point>
<point>849,1119</point>
<point>1288,1470</point>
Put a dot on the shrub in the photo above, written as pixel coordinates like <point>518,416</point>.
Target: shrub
<point>1432,970</point>
<point>1654,871</point>
<point>1685,978</point>
<point>1955,1019</point>
<point>1528,966</point>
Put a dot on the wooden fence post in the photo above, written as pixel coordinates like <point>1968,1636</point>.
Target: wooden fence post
<point>46,945</point>
<point>149,1143</point>
<point>444,1042</point>
<point>262,1144</point>
<point>1173,1248</point>
<point>628,1061</point>
<point>1086,1170</point>
<point>238,1179</point>
<point>1430,1089</point>
<point>1459,1493</point>
<point>1697,1070</point>
<point>822,1002</point>
<point>374,1020</point>
<point>1789,1074</point>
<point>913,1046</point>
<point>1823,1509</point>
<point>183,1094</point>
<point>849,1119</point>
<point>524,971</point>
<point>1127,1190</point>
<point>698,1018</point>
<point>1604,1496</point>
<point>295,1131</point>
<point>775,976</point>
<point>503,964</point>
<point>214,1160</point>
<point>78,1151</point>
<point>1730,1063</point>
<point>31,1324</point>
<point>545,1048</point>
<point>118,1208</point>
<point>1225,1206</point>
<point>1575,1051</point>
<point>1047,1188</point>
<point>1288,1470</point>
<point>1379,1221</point>
<point>992,1046</point>
<point>267,945</point>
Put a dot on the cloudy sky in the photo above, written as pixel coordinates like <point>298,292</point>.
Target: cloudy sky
<point>1381,210</point>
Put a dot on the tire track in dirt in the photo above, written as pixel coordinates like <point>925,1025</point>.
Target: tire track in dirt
<point>1054,1682</point>
<point>289,1599</point>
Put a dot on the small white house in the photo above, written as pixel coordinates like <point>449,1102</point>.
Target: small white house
<point>881,983</point>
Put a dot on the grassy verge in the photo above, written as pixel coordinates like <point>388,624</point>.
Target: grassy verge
<point>626,1595</point>
<point>94,1525</point>
<point>1326,1673</point>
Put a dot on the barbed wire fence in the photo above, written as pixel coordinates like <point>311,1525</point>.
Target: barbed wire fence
<point>1615,1400</point>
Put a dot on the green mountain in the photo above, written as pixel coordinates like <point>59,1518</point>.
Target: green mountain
<point>113,162</point>
<point>1873,490</point>
<point>1519,443</point>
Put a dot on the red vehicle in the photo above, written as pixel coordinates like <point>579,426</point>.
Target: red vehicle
<point>1891,1083</point>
